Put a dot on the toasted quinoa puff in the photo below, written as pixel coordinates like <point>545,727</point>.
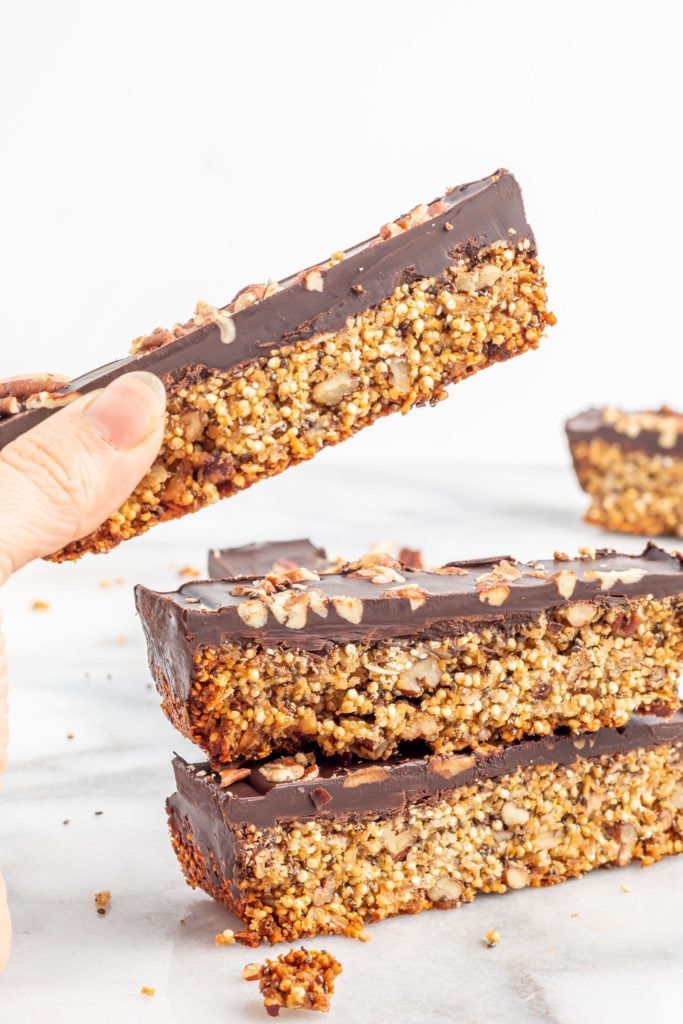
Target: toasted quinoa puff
<point>631,465</point>
<point>302,979</point>
<point>535,826</point>
<point>288,369</point>
<point>373,657</point>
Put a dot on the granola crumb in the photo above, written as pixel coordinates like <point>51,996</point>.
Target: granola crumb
<point>225,938</point>
<point>121,640</point>
<point>624,887</point>
<point>492,938</point>
<point>40,606</point>
<point>189,572</point>
<point>147,991</point>
<point>182,921</point>
<point>103,901</point>
<point>300,979</point>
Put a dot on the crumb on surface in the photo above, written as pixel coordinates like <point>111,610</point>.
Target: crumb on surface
<point>121,640</point>
<point>492,938</point>
<point>147,991</point>
<point>189,572</point>
<point>40,606</point>
<point>624,887</point>
<point>299,979</point>
<point>103,901</point>
<point>225,938</point>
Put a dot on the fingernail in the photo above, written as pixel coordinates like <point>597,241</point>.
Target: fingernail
<point>128,409</point>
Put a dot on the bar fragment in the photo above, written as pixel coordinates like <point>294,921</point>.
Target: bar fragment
<point>631,465</point>
<point>343,845</point>
<point>267,557</point>
<point>287,369</point>
<point>377,656</point>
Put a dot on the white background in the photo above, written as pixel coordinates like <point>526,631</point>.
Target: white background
<point>154,153</point>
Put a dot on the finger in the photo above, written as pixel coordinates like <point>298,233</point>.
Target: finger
<point>60,480</point>
<point>3,705</point>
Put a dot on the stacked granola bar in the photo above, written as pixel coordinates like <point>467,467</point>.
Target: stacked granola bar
<point>384,740</point>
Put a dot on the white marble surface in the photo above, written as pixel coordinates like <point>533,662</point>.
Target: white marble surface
<point>582,952</point>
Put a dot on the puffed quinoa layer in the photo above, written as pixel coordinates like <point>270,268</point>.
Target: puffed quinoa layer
<point>537,826</point>
<point>631,491</point>
<point>247,701</point>
<point>226,431</point>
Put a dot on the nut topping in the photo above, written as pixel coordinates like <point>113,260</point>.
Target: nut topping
<point>349,608</point>
<point>34,391</point>
<point>565,581</point>
<point>494,594</point>
<point>205,313</point>
<point>285,769</point>
<point>317,602</point>
<point>608,579</point>
<point>412,593</point>
<point>313,281</point>
<point>253,613</point>
<point>230,775</point>
<point>380,574</point>
<point>364,776</point>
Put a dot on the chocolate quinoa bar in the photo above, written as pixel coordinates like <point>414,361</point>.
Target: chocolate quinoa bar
<point>631,465</point>
<point>343,845</point>
<point>365,660</point>
<point>287,369</point>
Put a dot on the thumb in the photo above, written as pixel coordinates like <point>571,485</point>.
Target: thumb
<point>60,480</point>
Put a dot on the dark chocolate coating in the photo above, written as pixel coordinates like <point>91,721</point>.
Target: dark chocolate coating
<point>206,613</point>
<point>259,559</point>
<point>590,424</point>
<point>389,787</point>
<point>477,215</point>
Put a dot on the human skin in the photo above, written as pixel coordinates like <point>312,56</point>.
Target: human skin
<point>59,481</point>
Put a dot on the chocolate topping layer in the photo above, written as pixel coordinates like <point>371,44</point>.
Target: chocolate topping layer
<point>207,613</point>
<point>474,216</point>
<point>645,437</point>
<point>354,789</point>
<point>255,560</point>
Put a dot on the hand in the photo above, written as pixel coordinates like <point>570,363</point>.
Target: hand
<point>60,480</point>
